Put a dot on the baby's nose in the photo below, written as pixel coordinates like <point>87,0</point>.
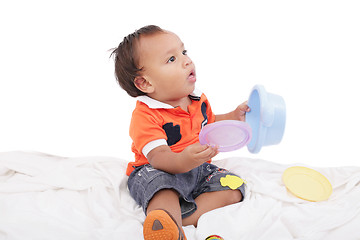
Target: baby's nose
<point>187,61</point>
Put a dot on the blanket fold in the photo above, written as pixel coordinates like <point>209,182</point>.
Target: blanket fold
<point>52,197</point>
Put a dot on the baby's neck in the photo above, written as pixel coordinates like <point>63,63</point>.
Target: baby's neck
<point>183,103</point>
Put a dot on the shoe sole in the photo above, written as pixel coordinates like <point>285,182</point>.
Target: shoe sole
<point>159,225</point>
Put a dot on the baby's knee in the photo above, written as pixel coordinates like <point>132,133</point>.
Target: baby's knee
<point>234,196</point>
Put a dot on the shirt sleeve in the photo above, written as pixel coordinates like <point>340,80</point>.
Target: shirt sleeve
<point>146,132</point>
<point>153,144</point>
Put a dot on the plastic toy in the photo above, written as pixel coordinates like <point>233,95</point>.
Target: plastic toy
<point>266,118</point>
<point>228,135</point>
<point>264,125</point>
<point>214,237</point>
<point>307,184</point>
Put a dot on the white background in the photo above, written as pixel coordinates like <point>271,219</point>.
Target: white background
<point>58,92</point>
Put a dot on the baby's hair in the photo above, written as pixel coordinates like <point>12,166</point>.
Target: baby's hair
<point>126,59</point>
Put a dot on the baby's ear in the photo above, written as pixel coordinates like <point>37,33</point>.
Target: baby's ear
<point>143,85</point>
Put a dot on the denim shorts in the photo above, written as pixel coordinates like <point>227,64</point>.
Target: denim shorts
<point>145,181</point>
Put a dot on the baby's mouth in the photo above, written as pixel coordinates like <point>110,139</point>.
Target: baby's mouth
<point>192,76</point>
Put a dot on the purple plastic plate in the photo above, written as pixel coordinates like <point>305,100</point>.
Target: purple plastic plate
<point>229,135</point>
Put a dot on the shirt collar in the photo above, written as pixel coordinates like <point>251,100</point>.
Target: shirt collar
<point>152,103</point>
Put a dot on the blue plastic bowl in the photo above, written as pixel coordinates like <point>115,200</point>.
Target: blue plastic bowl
<point>266,118</point>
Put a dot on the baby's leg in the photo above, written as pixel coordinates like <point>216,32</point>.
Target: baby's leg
<point>162,206</point>
<point>166,199</point>
<point>163,219</point>
<point>217,187</point>
<point>211,200</point>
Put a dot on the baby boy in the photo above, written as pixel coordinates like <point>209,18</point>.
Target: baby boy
<point>172,177</point>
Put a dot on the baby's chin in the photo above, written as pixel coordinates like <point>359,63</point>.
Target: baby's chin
<point>192,89</point>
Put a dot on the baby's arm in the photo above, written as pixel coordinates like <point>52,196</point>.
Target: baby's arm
<point>237,114</point>
<point>163,158</point>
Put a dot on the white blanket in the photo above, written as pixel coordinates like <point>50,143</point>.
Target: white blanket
<point>51,197</point>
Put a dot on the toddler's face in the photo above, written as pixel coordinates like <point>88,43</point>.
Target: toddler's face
<point>166,66</point>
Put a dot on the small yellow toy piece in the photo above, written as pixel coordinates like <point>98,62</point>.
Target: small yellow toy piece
<point>233,182</point>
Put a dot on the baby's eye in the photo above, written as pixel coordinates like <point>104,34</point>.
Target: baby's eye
<point>171,59</point>
<point>184,52</point>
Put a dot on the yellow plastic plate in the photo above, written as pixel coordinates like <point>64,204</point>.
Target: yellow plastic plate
<point>307,184</point>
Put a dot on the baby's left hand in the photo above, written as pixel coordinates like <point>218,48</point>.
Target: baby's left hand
<point>241,110</point>
<point>237,114</point>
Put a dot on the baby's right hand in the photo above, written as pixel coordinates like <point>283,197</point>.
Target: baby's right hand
<point>198,154</point>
